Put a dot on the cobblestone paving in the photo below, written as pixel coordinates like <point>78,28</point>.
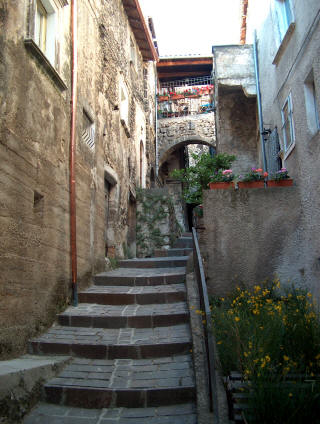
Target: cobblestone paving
<point>55,414</point>
<point>122,336</point>
<point>173,372</point>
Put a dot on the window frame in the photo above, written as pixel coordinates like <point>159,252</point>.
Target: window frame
<point>45,55</point>
<point>284,22</point>
<point>287,148</point>
<point>311,104</point>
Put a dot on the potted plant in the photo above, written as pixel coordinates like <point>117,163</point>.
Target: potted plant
<point>280,179</point>
<point>253,179</point>
<point>221,179</point>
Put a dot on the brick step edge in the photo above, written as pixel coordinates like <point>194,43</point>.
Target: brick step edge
<point>155,280</point>
<point>102,351</point>
<point>131,298</point>
<point>137,321</point>
<point>98,398</point>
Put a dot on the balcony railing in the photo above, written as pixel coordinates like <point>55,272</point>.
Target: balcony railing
<point>204,109</point>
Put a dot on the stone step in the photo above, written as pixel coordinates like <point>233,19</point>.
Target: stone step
<point>130,383</point>
<point>127,295</point>
<point>46,413</point>
<point>183,242</point>
<point>173,252</point>
<point>141,277</point>
<point>125,316</point>
<point>186,234</point>
<point>162,262</point>
<point>104,343</point>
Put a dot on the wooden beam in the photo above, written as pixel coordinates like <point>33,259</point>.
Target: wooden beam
<point>182,62</point>
<point>179,75</point>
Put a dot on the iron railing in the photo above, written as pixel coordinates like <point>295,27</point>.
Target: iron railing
<point>177,114</point>
<point>206,80</point>
<point>207,326</point>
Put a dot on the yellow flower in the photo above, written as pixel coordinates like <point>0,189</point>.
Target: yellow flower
<point>309,294</point>
<point>219,342</point>
<point>290,395</point>
<point>257,288</point>
<point>286,358</point>
<point>222,299</point>
<point>267,358</point>
<point>317,357</point>
<point>237,319</point>
<point>245,354</point>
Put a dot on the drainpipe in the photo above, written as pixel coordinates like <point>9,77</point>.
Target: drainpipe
<point>73,106</point>
<point>156,114</point>
<point>256,70</point>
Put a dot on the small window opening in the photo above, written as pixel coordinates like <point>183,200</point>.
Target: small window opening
<point>88,130</point>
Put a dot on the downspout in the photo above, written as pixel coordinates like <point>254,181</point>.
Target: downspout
<point>156,114</point>
<point>256,70</point>
<point>73,106</point>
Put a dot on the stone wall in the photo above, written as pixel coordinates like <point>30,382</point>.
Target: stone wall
<point>235,100</point>
<point>251,235</point>
<point>174,132</point>
<point>34,153</point>
<point>157,224</point>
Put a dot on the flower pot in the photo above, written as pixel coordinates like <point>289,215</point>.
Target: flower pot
<point>177,97</point>
<point>251,184</point>
<point>163,98</point>
<point>280,183</point>
<point>220,185</point>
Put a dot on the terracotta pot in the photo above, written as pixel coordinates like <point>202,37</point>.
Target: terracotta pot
<point>221,185</point>
<point>163,98</point>
<point>251,184</point>
<point>281,183</point>
<point>177,97</point>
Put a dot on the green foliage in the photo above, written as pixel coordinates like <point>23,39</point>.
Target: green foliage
<point>197,177</point>
<point>274,341</point>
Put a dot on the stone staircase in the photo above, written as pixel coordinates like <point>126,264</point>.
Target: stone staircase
<point>130,344</point>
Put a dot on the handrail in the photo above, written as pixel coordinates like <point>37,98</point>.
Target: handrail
<point>207,325</point>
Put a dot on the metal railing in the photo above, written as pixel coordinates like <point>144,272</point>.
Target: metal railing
<point>207,325</point>
<point>206,80</point>
<point>177,114</point>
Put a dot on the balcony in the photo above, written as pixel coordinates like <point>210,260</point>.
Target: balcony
<point>186,97</point>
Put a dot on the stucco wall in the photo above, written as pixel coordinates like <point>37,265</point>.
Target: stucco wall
<point>301,54</point>
<point>34,158</point>
<point>251,235</point>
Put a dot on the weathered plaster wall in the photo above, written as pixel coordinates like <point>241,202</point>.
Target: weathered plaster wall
<point>157,224</point>
<point>300,56</point>
<point>34,153</point>
<point>252,234</point>
<point>174,132</point>
<point>236,105</point>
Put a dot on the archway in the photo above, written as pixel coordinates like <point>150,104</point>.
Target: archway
<point>177,157</point>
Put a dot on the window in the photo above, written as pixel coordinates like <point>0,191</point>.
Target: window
<point>88,130</point>
<point>284,25</point>
<point>311,104</point>
<point>42,34</point>
<point>287,126</point>
<point>284,17</point>
<point>124,107</point>
<point>132,53</point>
<point>41,26</point>
<point>45,28</point>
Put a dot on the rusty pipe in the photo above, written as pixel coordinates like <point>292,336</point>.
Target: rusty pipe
<point>72,181</point>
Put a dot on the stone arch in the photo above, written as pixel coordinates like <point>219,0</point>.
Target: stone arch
<point>166,150</point>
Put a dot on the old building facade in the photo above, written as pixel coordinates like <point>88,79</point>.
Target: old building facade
<point>115,148</point>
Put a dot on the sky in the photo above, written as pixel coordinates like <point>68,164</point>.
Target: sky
<point>193,26</point>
